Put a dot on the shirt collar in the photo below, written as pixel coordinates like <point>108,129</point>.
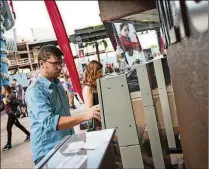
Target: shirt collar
<point>47,82</point>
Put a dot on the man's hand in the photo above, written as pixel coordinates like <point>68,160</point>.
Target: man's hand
<point>66,122</point>
<point>93,112</point>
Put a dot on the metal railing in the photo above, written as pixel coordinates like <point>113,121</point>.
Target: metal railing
<point>12,62</point>
<point>24,61</point>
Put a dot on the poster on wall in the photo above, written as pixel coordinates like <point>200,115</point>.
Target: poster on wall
<point>128,42</point>
<point>147,53</point>
<point>81,53</point>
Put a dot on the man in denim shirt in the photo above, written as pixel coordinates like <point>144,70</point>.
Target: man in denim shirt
<point>48,105</point>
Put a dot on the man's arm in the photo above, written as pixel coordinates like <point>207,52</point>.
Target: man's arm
<point>69,122</point>
<point>40,106</point>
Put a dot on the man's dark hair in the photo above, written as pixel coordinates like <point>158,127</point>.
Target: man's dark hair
<point>47,50</point>
<point>14,80</point>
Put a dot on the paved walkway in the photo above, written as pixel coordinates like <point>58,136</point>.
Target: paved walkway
<point>20,155</point>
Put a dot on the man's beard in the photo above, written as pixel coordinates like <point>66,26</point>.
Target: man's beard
<point>53,74</point>
<point>57,74</point>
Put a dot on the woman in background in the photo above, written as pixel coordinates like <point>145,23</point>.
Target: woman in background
<point>10,103</point>
<point>90,95</point>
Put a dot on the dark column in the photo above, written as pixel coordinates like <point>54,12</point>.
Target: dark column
<point>188,62</point>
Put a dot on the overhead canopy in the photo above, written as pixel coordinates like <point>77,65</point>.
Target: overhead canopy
<point>91,33</point>
<point>113,10</point>
<point>150,16</point>
<point>43,42</point>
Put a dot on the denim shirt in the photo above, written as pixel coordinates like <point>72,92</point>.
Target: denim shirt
<point>46,102</point>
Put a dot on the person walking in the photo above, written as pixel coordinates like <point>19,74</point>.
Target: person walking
<point>90,94</point>
<point>20,95</point>
<point>72,92</point>
<point>68,93</point>
<point>10,105</point>
<point>48,105</point>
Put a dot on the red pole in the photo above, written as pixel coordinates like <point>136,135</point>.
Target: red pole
<point>64,43</point>
<point>12,7</point>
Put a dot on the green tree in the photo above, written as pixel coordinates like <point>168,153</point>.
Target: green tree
<point>96,44</point>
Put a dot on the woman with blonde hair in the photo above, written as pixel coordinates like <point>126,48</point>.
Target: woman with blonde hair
<point>90,95</point>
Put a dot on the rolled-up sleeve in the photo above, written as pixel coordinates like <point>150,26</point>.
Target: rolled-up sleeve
<point>39,105</point>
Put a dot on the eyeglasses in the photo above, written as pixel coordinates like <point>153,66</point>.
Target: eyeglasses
<point>56,64</point>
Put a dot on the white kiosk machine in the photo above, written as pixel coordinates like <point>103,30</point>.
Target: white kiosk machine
<point>144,116</point>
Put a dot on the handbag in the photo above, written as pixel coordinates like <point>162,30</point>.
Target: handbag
<point>91,125</point>
<point>14,114</point>
<point>17,113</point>
<point>96,125</point>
